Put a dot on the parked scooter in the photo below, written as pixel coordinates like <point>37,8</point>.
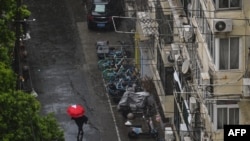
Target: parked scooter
<point>136,131</point>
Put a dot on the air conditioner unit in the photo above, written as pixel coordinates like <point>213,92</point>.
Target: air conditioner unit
<point>222,25</point>
<point>246,87</point>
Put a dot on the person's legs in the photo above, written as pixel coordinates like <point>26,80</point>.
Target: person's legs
<point>80,131</point>
<point>79,124</point>
<point>80,134</point>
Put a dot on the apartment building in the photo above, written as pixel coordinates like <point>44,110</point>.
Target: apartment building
<point>200,61</point>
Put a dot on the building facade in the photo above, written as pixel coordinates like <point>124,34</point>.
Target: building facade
<point>200,61</point>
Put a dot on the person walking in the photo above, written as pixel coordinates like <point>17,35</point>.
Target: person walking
<point>79,122</point>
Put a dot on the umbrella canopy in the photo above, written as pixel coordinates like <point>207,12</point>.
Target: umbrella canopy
<point>75,110</point>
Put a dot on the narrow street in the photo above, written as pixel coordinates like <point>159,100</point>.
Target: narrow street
<point>63,64</point>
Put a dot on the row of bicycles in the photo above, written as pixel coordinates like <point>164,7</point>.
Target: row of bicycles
<point>125,88</point>
<point>118,71</point>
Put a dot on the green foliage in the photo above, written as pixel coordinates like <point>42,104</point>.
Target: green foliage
<point>7,5</point>
<point>7,78</point>
<point>8,9</point>
<point>4,57</point>
<point>8,17</point>
<point>51,132</point>
<point>25,13</point>
<point>20,119</point>
<point>7,42</point>
<point>19,111</point>
<point>7,38</point>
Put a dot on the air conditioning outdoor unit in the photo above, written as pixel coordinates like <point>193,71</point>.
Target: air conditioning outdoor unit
<point>246,87</point>
<point>223,25</point>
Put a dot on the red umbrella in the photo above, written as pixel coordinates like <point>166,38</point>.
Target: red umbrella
<point>75,110</point>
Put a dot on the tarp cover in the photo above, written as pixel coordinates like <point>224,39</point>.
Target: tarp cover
<point>135,100</point>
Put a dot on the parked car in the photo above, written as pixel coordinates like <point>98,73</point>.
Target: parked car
<point>100,13</point>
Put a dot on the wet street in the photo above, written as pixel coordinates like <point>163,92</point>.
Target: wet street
<point>63,64</point>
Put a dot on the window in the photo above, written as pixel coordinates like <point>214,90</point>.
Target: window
<point>210,109</point>
<point>228,4</point>
<point>227,53</point>
<point>226,114</point>
<point>99,8</point>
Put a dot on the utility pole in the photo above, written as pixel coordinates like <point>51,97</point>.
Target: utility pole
<point>20,63</point>
<point>17,65</point>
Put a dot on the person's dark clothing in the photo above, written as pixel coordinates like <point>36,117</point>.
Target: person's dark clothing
<point>79,122</point>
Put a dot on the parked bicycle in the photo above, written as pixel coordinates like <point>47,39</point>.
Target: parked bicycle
<point>110,63</point>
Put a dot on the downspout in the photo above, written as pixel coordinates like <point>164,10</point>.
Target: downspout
<point>197,134</point>
<point>178,23</point>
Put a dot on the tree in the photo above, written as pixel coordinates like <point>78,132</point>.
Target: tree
<point>20,119</point>
<point>7,38</point>
<point>25,13</point>
<point>7,78</point>
<point>19,111</point>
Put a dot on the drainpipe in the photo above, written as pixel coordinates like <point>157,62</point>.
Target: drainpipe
<point>137,50</point>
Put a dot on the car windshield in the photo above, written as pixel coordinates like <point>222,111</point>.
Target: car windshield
<point>100,8</point>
